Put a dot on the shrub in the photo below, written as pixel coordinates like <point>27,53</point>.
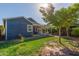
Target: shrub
<point>75,32</point>
<point>54,30</point>
<point>21,38</point>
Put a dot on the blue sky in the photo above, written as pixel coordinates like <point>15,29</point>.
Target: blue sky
<point>27,10</point>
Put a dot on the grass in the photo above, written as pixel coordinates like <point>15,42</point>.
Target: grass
<point>27,47</point>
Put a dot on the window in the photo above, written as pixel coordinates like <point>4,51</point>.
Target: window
<point>29,28</point>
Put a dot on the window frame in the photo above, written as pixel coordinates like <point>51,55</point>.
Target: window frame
<point>29,27</point>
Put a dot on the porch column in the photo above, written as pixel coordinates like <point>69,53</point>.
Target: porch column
<point>40,30</point>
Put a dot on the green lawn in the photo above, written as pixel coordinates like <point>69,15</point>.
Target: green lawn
<point>27,47</point>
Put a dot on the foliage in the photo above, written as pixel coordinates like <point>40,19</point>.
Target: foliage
<point>1,27</point>
<point>53,18</point>
<point>75,31</point>
<point>72,15</point>
<point>52,29</point>
<point>64,17</point>
<point>21,38</point>
<point>47,13</point>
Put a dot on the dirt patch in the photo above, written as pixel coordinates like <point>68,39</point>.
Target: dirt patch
<point>53,49</point>
<point>48,51</point>
<point>74,38</point>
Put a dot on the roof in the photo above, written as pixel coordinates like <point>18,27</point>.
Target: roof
<point>32,20</point>
<point>28,20</point>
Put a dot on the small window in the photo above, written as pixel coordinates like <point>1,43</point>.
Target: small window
<point>29,28</point>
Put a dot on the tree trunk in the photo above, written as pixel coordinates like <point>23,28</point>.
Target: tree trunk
<point>60,35</point>
<point>67,31</point>
<point>51,31</point>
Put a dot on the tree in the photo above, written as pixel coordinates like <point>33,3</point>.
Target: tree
<point>64,17</point>
<point>54,18</point>
<point>72,14</point>
<point>59,17</point>
<point>47,14</point>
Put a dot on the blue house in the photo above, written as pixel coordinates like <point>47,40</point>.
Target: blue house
<point>20,26</point>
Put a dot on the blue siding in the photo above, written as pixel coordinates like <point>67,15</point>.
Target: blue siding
<point>16,27</point>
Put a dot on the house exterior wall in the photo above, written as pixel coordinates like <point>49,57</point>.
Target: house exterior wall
<point>16,27</point>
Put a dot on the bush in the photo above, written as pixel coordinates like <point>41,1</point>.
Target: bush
<point>54,30</point>
<point>75,32</point>
<point>21,38</point>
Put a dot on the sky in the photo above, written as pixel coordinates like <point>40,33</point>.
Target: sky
<point>8,10</point>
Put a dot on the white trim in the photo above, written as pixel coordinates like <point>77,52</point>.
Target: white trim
<point>28,20</point>
<point>6,30</point>
<point>31,27</point>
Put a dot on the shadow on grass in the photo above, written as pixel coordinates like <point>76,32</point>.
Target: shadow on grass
<point>35,38</point>
<point>6,44</point>
<point>68,52</point>
<point>9,43</point>
<point>74,52</point>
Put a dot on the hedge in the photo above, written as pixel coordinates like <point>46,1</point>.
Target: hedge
<point>75,32</point>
